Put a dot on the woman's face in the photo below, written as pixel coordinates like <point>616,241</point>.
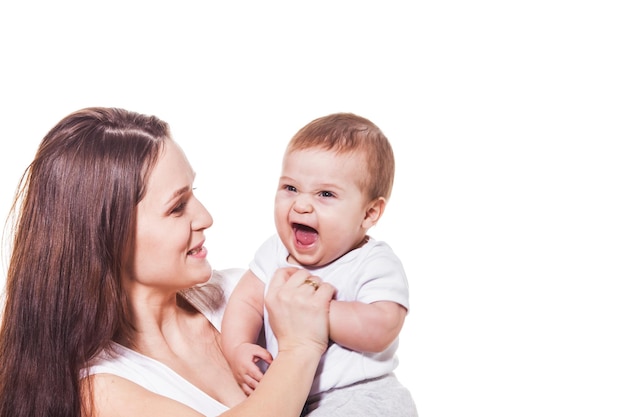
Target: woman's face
<point>169,249</point>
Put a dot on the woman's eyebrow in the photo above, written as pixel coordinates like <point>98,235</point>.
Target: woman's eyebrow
<point>178,193</point>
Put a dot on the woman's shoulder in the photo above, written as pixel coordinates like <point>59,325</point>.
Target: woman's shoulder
<point>149,379</point>
<point>112,393</point>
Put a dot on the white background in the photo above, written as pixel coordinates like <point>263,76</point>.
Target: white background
<point>507,119</point>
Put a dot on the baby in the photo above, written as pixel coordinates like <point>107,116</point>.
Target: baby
<point>336,179</point>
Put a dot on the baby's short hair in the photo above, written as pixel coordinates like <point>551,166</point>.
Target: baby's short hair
<point>350,133</point>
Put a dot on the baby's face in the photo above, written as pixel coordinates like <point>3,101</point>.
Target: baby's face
<point>320,206</point>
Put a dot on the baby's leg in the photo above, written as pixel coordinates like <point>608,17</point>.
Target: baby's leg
<point>384,396</point>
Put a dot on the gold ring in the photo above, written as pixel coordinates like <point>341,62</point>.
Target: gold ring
<point>312,283</point>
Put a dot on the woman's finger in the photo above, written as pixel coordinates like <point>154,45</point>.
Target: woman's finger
<point>298,305</point>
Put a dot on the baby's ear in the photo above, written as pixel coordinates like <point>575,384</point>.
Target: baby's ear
<point>374,210</point>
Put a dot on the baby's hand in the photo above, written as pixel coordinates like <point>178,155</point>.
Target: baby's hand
<point>245,368</point>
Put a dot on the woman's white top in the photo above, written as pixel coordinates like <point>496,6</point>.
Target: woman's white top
<point>159,378</point>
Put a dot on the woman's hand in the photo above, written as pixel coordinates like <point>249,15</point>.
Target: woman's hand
<point>298,305</point>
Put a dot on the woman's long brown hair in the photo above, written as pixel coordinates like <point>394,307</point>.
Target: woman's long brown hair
<point>73,234</point>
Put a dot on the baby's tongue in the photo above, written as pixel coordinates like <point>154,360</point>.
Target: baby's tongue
<point>306,235</point>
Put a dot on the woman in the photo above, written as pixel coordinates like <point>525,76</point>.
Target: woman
<point>108,237</point>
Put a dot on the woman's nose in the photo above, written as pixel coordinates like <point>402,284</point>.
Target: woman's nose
<point>202,218</point>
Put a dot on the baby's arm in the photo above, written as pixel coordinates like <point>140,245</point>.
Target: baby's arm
<point>365,327</point>
<point>241,325</point>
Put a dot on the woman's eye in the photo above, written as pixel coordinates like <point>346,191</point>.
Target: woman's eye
<point>180,207</point>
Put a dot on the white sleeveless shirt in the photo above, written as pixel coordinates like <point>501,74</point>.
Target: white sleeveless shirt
<point>159,378</point>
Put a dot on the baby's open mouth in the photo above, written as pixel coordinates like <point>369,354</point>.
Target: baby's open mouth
<point>305,235</point>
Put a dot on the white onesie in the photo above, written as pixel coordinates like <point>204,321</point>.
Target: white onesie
<point>367,274</point>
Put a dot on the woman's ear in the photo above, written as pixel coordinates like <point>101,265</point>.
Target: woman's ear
<point>374,210</point>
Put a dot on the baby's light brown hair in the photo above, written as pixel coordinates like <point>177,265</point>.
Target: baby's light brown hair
<point>350,133</point>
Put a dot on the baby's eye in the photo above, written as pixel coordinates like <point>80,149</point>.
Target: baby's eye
<point>290,188</point>
<point>327,194</point>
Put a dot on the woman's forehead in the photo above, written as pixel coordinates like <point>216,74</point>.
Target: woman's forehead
<point>171,172</point>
